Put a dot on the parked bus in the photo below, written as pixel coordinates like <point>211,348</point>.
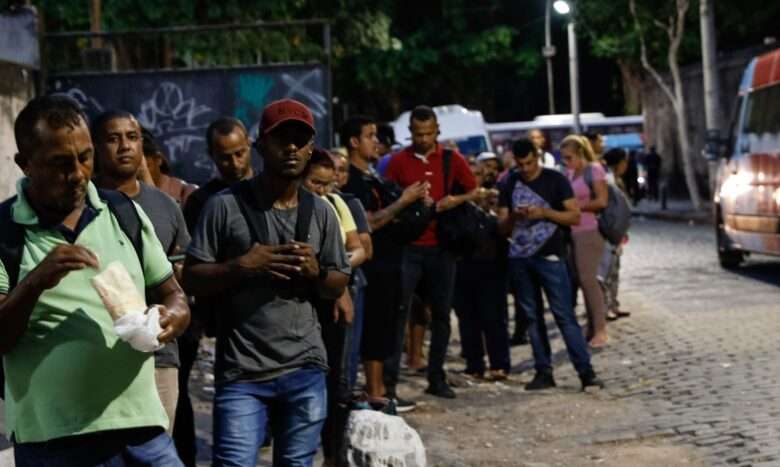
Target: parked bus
<point>747,194</point>
<point>624,132</point>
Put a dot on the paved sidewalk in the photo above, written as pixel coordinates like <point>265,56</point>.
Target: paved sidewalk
<point>677,210</point>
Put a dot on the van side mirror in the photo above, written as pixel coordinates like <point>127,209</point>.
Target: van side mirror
<point>715,146</point>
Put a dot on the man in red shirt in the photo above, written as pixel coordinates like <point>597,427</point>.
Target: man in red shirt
<point>424,261</point>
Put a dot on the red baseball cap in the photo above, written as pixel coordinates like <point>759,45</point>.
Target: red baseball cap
<point>285,110</point>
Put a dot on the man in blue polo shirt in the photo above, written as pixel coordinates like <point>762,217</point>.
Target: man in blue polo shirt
<point>70,382</point>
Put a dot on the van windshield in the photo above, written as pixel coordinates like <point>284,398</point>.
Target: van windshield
<point>762,119</point>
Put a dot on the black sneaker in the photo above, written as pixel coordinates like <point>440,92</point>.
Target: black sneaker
<point>400,405</point>
<point>590,380</point>
<point>541,381</point>
<point>441,389</point>
<point>403,405</point>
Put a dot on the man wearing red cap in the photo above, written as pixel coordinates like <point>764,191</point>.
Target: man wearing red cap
<point>266,248</point>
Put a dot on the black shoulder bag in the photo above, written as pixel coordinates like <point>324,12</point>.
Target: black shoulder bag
<point>463,229</point>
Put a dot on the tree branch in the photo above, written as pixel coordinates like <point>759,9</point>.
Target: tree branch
<point>643,56</point>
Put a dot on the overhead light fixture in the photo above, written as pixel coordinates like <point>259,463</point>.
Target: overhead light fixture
<point>562,7</point>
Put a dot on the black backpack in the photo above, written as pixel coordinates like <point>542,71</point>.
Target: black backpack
<point>247,194</point>
<point>12,239</point>
<point>615,219</point>
<point>411,222</point>
<point>463,229</point>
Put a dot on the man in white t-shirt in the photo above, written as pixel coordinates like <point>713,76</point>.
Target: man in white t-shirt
<point>537,138</point>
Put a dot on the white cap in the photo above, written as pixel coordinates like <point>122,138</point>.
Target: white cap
<point>486,156</point>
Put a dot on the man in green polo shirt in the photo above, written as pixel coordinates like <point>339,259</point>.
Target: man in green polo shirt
<point>75,394</point>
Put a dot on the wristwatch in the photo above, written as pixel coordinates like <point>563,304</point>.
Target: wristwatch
<point>323,274</point>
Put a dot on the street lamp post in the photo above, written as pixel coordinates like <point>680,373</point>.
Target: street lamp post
<point>548,52</point>
<point>563,7</point>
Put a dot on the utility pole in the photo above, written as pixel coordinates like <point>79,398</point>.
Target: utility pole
<point>574,76</point>
<point>548,52</point>
<point>712,110</point>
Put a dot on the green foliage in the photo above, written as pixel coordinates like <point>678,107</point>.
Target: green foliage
<point>610,27</point>
<point>386,54</point>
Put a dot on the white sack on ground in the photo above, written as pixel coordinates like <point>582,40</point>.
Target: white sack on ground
<point>374,439</point>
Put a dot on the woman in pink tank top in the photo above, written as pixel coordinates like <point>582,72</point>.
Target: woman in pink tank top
<point>588,180</point>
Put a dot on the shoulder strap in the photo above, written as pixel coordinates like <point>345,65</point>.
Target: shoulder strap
<point>11,242</point>
<point>253,214</point>
<point>305,214</point>
<point>446,163</point>
<point>332,202</point>
<point>588,176</point>
<point>12,234</point>
<point>127,216</point>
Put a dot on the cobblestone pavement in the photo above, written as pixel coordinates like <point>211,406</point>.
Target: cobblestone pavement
<point>702,353</point>
<point>693,376</point>
<point>695,368</point>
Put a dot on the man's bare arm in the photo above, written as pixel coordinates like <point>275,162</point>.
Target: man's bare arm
<point>412,193</point>
<point>174,312</point>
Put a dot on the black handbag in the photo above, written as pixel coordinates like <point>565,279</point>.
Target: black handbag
<point>463,229</point>
<point>409,224</point>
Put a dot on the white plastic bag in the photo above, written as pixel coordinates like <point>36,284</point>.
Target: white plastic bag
<point>140,330</point>
<point>127,307</point>
<point>375,439</point>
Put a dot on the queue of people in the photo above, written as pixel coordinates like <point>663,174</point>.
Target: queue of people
<point>324,263</point>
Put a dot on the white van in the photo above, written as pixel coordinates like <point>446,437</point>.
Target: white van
<point>747,198</point>
<point>457,124</point>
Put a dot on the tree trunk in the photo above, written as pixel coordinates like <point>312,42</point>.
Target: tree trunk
<point>682,131</point>
<point>632,88</point>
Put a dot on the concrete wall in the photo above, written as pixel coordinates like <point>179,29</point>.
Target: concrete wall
<point>17,87</point>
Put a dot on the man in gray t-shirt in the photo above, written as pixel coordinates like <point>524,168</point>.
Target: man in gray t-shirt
<point>118,156</point>
<point>268,332</point>
<point>171,230</point>
<point>253,250</point>
<point>166,217</point>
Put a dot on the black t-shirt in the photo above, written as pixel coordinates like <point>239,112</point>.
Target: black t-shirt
<point>361,185</point>
<point>554,188</point>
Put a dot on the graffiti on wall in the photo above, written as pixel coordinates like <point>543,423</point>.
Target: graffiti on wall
<point>177,107</point>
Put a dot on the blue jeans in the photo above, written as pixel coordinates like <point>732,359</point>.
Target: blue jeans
<point>527,275</point>
<point>357,335</point>
<point>148,447</point>
<point>296,406</point>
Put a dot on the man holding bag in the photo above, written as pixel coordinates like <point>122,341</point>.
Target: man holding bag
<point>424,260</point>
<point>70,382</point>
